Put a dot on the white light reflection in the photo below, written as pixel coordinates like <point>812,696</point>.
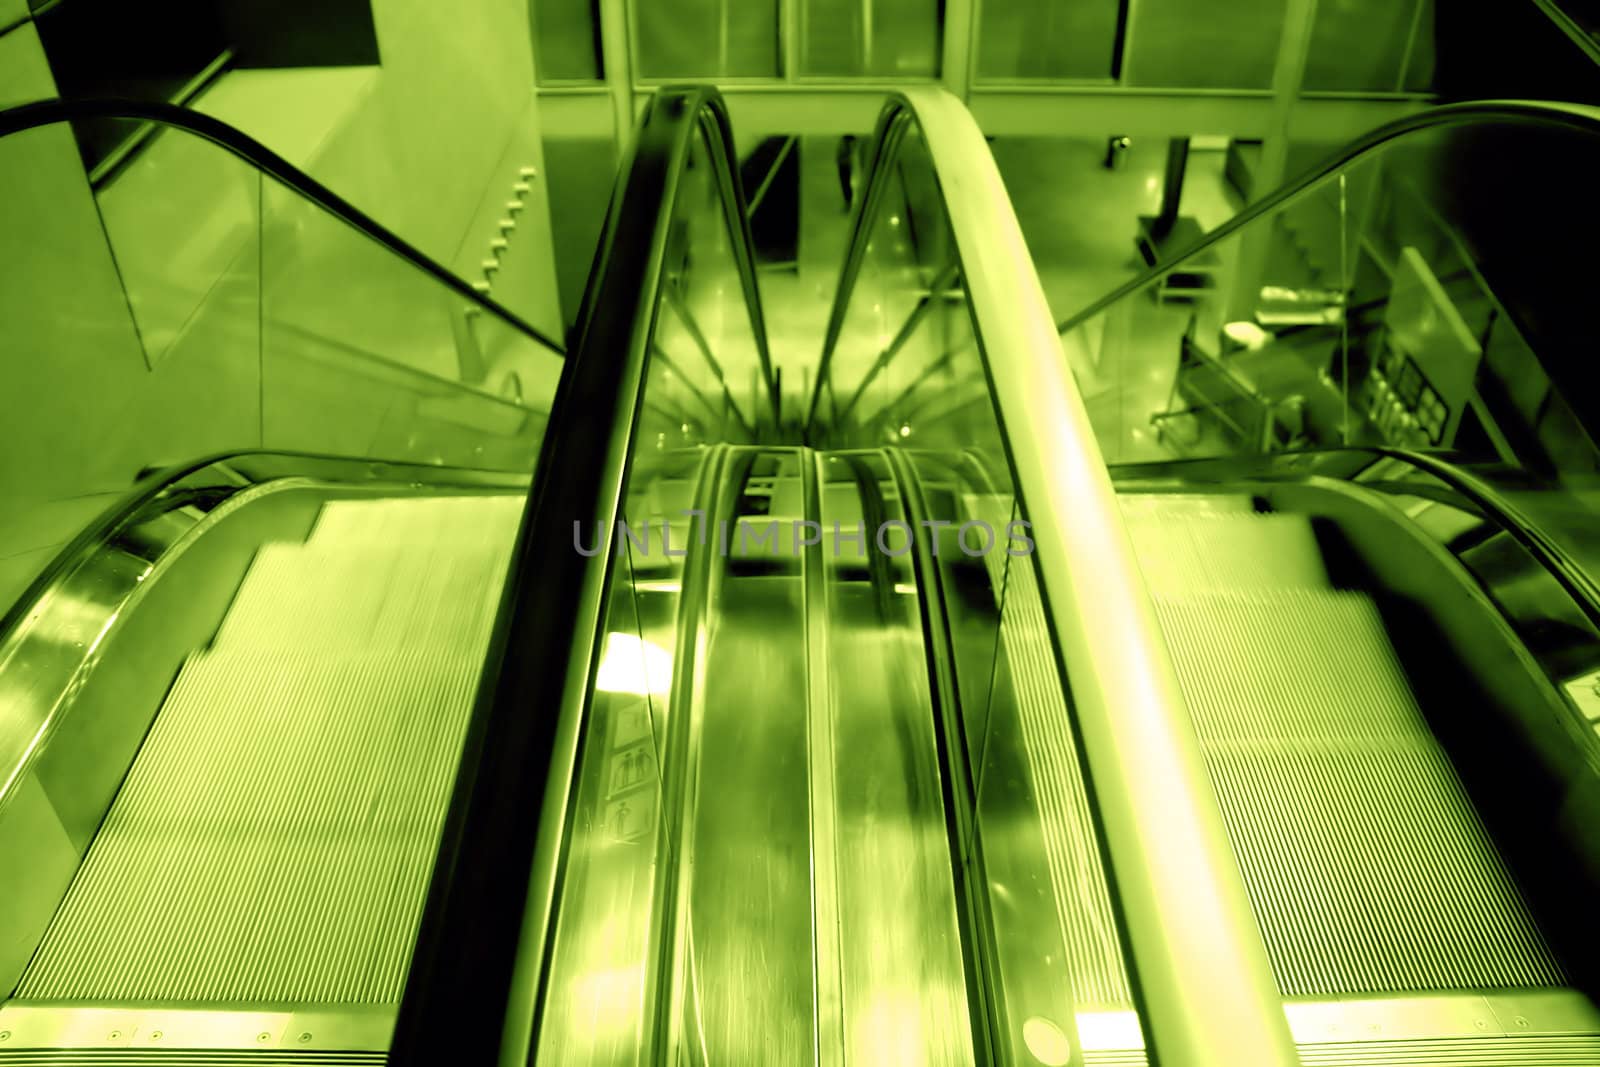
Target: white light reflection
<point>890,1029</point>
<point>1046,1041</point>
<point>633,665</point>
<point>1102,1031</point>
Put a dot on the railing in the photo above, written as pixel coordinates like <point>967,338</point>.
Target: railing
<point>891,371</point>
<point>214,298</point>
<point>259,157</point>
<point>1190,398</point>
<point>677,217</point>
<point>1437,360</point>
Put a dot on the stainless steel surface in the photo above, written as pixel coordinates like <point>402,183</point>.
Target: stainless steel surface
<point>900,952</point>
<point>1032,740</point>
<point>68,743</point>
<point>1060,978</point>
<point>272,842</point>
<point>69,1034</point>
<point>744,988</point>
<point>607,959</point>
<point>1549,1028</point>
<point>144,1057</point>
<point>60,635</point>
<point>812,854</point>
<point>750,937</point>
<point>823,767</point>
<point>683,211</point>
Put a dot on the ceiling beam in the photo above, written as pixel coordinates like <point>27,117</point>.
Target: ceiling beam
<point>1055,112</point>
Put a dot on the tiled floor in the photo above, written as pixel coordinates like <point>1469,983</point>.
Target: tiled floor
<point>1080,221</point>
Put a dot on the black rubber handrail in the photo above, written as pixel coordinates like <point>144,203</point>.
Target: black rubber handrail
<point>155,481</point>
<point>474,986</point>
<point>30,116</point>
<point>1572,577</point>
<point>1556,115</point>
<point>1575,31</point>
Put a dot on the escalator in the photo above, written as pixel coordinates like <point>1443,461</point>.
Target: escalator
<point>251,836</point>
<point>234,696</point>
<point>248,705</point>
<point>680,707</point>
<point>1400,778</point>
<point>226,844</point>
<point>1384,630</point>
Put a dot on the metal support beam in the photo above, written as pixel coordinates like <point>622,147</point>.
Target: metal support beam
<point>759,112</point>
<point>618,59</point>
<point>1172,185</point>
<point>1287,78</point>
<point>1063,111</point>
<point>789,15</point>
<point>577,114</point>
<point>1098,112</point>
<point>958,45</point>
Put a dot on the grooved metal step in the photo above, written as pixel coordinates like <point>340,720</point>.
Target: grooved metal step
<point>271,845</point>
<point>1193,549</point>
<point>1367,866</point>
<point>1170,506</point>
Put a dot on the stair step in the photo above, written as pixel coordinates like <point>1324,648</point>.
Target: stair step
<point>351,585</point>
<point>1366,864</point>
<point>349,525</point>
<point>272,842</point>
<point>1181,505</point>
<point>1188,546</point>
<point>279,858</point>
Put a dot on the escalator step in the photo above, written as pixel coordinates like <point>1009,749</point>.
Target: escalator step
<point>1136,506</point>
<point>353,583</point>
<point>272,842</point>
<point>1193,550</point>
<point>1367,866</point>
